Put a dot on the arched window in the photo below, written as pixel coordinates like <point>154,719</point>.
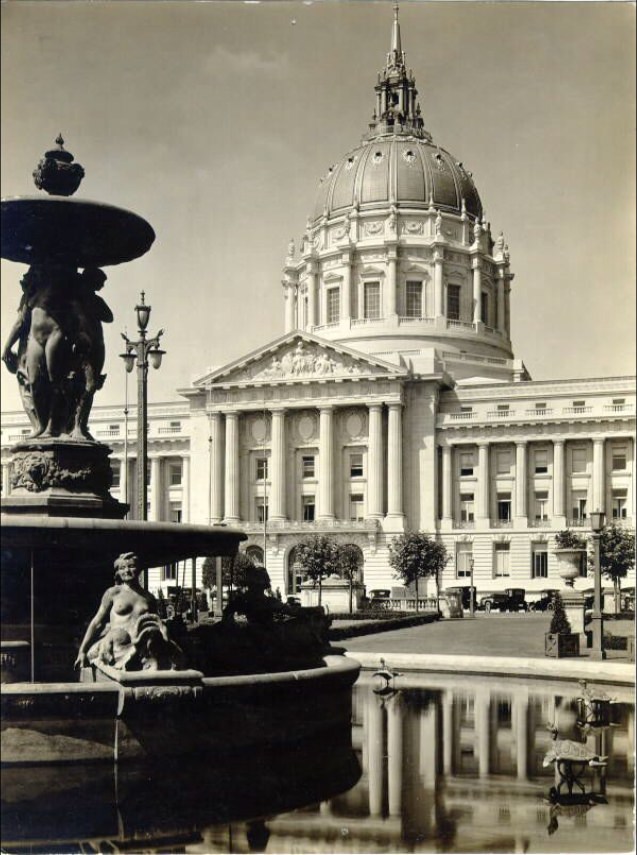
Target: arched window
<point>255,554</point>
<point>294,576</point>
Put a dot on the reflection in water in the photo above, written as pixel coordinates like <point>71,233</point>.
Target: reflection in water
<point>440,762</point>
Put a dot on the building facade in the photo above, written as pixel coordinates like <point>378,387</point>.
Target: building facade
<point>393,401</point>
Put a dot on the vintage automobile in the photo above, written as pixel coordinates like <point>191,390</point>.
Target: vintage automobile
<point>465,593</point>
<point>545,602</point>
<point>509,600</point>
<point>379,598</point>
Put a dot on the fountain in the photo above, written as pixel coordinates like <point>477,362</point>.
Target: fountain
<point>147,687</point>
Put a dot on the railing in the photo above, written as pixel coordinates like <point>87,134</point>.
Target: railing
<point>578,522</point>
<point>545,523</point>
<point>500,414</point>
<point>539,411</point>
<point>408,604</point>
<point>501,523</point>
<point>405,319</point>
<point>15,436</point>
<point>577,410</point>
<point>170,429</point>
<point>618,408</point>
<point>464,524</point>
<point>278,526</point>
<point>108,432</point>
<point>466,416</point>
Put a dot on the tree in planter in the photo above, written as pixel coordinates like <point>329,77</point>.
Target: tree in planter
<point>318,557</point>
<point>616,556</point>
<point>569,539</point>
<point>349,562</point>
<point>559,622</point>
<point>415,555</point>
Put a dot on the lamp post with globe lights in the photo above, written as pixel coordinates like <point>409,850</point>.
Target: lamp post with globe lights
<point>597,622</point>
<point>140,353</point>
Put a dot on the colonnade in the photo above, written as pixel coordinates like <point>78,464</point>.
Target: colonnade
<point>384,474</point>
<point>158,492</point>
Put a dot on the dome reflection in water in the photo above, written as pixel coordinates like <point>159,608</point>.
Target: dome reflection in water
<point>437,762</point>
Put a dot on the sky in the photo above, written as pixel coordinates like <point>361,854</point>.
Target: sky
<point>215,121</point>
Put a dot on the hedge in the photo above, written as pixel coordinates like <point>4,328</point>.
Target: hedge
<point>370,626</point>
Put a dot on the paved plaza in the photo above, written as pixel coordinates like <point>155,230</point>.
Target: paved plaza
<point>503,635</point>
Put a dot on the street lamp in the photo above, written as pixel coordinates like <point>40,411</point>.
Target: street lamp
<point>140,353</point>
<point>472,590</point>
<point>597,623</point>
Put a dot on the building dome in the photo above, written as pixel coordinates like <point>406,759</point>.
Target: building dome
<point>401,169</point>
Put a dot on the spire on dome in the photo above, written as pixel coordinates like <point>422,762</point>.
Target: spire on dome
<point>397,109</point>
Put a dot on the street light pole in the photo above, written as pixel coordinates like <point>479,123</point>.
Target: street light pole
<point>139,353</point>
<point>472,603</point>
<point>597,621</point>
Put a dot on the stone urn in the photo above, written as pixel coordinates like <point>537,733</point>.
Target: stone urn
<point>569,562</point>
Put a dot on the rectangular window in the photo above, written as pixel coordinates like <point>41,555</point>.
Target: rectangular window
<point>262,468</point>
<point>356,506</point>
<point>501,560</point>
<point>540,406</point>
<point>466,463</point>
<point>333,305</point>
<point>116,469</point>
<point>113,428</point>
<point>618,459</point>
<point>484,309</point>
<point>503,408</point>
<point>541,462</point>
<point>453,302</point>
<point>371,307</point>
<point>541,504</point>
<point>308,466</point>
<point>579,405</point>
<point>504,507</point>
<point>169,572</point>
<point>466,507</point>
<point>413,299</point>
<point>309,508</point>
<point>464,557</point>
<point>356,465</point>
<point>578,460</point>
<point>503,462</point>
<point>619,504</point>
<point>540,561</point>
<point>175,514</point>
<point>262,509</point>
<point>578,502</point>
<point>175,474</point>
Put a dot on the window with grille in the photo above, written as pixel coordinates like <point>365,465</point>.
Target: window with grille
<point>371,305</point>
<point>484,308</point>
<point>541,504</point>
<point>262,509</point>
<point>308,466</point>
<point>466,463</point>
<point>413,299</point>
<point>501,563</point>
<point>504,507</point>
<point>466,507</point>
<point>619,511</point>
<point>262,468</point>
<point>453,302</point>
<point>356,506</point>
<point>464,557</point>
<point>541,462</point>
<point>540,561</point>
<point>356,465</point>
<point>309,508</point>
<point>333,305</point>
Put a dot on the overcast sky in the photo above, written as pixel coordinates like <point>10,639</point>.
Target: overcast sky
<point>215,121</point>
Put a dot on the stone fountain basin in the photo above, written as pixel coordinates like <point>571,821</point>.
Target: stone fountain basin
<point>156,543</point>
<point>141,715</point>
<point>69,231</point>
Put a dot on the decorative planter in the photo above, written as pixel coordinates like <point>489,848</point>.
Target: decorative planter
<point>559,644</point>
<point>569,562</point>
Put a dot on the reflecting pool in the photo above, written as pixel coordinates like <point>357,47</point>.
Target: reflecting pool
<point>434,762</point>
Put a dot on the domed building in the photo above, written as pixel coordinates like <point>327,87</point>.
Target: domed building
<point>393,400</point>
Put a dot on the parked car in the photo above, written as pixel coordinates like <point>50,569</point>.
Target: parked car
<point>509,600</point>
<point>379,597</point>
<point>545,602</point>
<point>465,592</point>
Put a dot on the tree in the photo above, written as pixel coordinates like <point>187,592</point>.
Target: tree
<point>616,556</point>
<point>349,562</point>
<point>233,570</point>
<point>414,556</point>
<point>318,556</point>
<point>559,622</point>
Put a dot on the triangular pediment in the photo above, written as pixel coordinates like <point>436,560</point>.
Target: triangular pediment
<point>299,357</point>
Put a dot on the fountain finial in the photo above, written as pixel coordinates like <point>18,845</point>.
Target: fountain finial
<point>56,173</point>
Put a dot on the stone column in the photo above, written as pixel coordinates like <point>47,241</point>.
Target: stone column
<point>185,489</point>
<point>439,287</point>
<point>6,479</point>
<point>558,479</point>
<point>390,296</point>
<point>484,511</point>
<point>290,305</point>
<point>326,463</point>
<point>394,756</point>
<point>448,736</point>
<point>123,480</point>
<point>395,461</point>
<point>311,295</point>
<point>374,713</point>
<point>501,303</point>
<point>346,296</point>
<point>375,462</point>
<point>231,512</point>
<point>447,483</point>
<point>277,494</point>
<point>477,290</point>
<point>520,482</point>
<point>520,715</point>
<point>216,468</point>
<point>599,480</point>
<point>156,494</point>
<point>483,731</point>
